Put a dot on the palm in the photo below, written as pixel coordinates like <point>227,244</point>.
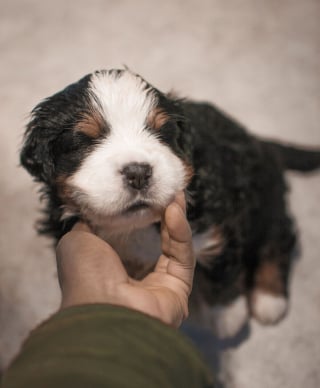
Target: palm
<point>90,271</point>
<point>159,294</point>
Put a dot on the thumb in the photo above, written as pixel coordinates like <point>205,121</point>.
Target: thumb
<point>178,245</point>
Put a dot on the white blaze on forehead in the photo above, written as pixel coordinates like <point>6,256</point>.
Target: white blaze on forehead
<point>123,99</point>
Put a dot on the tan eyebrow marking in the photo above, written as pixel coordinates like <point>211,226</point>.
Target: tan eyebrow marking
<point>91,125</point>
<point>157,118</point>
<point>189,172</point>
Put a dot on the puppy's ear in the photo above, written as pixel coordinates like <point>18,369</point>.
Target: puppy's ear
<point>36,154</point>
<point>184,139</point>
<point>49,120</point>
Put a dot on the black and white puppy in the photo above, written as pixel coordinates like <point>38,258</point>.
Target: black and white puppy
<point>113,150</point>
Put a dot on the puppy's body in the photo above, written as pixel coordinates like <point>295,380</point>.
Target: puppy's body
<point>113,150</point>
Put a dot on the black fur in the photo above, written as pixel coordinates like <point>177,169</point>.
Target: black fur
<point>238,183</point>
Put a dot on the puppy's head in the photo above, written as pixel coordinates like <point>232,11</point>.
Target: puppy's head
<point>112,147</point>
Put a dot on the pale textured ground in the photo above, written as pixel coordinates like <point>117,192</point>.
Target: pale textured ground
<point>259,60</point>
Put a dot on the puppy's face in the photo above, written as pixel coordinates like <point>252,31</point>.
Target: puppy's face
<point>111,146</point>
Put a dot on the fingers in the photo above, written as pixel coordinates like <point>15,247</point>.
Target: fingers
<point>87,267</point>
<point>176,223</point>
<point>178,202</point>
<point>78,252</point>
<point>180,199</point>
<point>177,243</point>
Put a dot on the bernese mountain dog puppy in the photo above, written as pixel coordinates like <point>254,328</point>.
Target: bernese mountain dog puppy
<point>113,151</point>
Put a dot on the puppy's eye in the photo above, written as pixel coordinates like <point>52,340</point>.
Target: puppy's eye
<point>70,150</point>
<point>168,133</point>
<point>72,141</point>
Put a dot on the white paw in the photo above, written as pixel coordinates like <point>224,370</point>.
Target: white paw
<point>228,320</point>
<point>267,308</point>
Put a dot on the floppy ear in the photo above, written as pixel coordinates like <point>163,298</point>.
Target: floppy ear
<point>49,119</point>
<point>184,140</point>
<point>36,154</point>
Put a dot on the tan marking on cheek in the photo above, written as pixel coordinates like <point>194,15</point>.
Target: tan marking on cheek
<point>157,118</point>
<point>189,172</point>
<point>66,192</point>
<point>91,125</point>
<point>63,187</point>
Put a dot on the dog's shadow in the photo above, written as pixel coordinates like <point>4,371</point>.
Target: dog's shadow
<point>212,348</point>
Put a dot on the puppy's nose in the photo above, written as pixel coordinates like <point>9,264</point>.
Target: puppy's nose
<point>137,175</point>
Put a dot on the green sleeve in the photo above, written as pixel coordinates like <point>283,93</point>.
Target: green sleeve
<point>97,346</point>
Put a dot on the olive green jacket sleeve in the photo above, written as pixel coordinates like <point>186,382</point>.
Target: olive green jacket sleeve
<point>97,346</point>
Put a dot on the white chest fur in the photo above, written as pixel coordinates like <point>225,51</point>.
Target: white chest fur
<point>144,246</point>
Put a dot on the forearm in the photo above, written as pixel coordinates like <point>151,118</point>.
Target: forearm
<point>103,345</point>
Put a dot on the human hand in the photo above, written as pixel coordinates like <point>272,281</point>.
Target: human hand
<point>90,271</point>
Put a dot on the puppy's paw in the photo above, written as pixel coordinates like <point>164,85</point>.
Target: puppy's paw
<point>229,320</point>
<point>268,309</point>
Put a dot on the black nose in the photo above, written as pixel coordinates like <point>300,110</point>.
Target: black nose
<point>137,175</point>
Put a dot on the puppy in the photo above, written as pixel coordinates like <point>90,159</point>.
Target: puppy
<point>113,150</point>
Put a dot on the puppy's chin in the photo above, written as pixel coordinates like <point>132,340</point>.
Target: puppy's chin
<point>136,216</point>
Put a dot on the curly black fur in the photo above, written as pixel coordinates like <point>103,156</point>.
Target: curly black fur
<point>238,183</point>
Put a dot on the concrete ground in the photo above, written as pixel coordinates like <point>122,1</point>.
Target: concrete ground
<point>258,60</point>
